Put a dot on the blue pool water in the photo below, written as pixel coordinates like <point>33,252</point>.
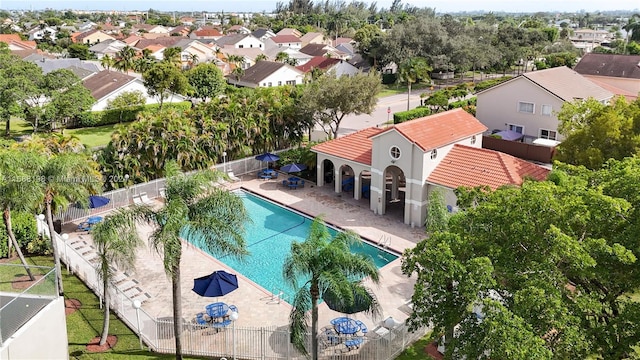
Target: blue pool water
<point>269,237</point>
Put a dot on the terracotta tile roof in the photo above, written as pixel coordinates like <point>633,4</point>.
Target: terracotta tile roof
<point>106,82</point>
<point>435,131</point>
<point>566,84</point>
<point>166,41</point>
<point>132,40</point>
<point>319,62</point>
<point>6,38</point>
<point>281,39</point>
<point>469,166</point>
<point>615,90</point>
<point>355,147</point>
<point>154,48</point>
<point>207,32</point>
<point>624,66</point>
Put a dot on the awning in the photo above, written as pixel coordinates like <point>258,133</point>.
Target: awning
<point>510,135</point>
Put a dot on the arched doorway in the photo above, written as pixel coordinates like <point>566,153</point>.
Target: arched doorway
<point>394,192</point>
<point>347,179</point>
<point>327,172</point>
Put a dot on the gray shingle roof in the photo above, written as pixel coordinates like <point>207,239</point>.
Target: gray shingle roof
<point>567,84</point>
<point>106,82</point>
<point>260,71</point>
<point>49,65</point>
<point>623,66</point>
<point>230,39</point>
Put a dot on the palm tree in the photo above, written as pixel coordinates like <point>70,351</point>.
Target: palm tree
<point>116,240</point>
<point>633,28</point>
<point>261,57</point>
<point>125,59</point>
<point>193,60</point>
<point>172,55</point>
<point>17,192</point>
<point>282,56</point>
<point>198,212</point>
<point>325,265</point>
<point>107,62</point>
<point>237,61</point>
<point>413,70</point>
<point>65,179</point>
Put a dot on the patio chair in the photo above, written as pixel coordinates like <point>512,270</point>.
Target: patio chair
<point>221,325</point>
<point>201,320</point>
<point>301,183</point>
<point>145,199</point>
<point>233,177</point>
<point>353,343</point>
<point>363,327</point>
<point>233,308</point>
<point>137,200</point>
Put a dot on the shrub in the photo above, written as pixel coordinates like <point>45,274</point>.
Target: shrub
<point>24,227</point>
<point>403,116</point>
<point>490,83</point>
<point>389,78</point>
<point>115,116</point>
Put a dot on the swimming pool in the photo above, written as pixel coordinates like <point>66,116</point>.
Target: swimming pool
<point>269,237</point>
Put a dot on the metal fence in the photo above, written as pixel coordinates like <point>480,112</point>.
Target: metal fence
<point>19,308</point>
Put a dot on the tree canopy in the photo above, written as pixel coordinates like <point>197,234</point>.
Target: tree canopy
<point>551,265</point>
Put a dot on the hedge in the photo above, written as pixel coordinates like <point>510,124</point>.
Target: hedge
<point>389,78</point>
<point>115,116</point>
<point>24,228</point>
<point>403,116</point>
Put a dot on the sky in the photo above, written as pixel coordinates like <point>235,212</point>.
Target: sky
<point>268,5</point>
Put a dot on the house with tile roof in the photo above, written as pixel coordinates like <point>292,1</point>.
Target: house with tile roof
<point>290,31</point>
<point>322,50</point>
<point>239,41</point>
<point>181,30</point>
<point>273,51</point>
<point>90,37</point>
<point>268,74</point>
<point>208,33</point>
<point>338,66</point>
<point>396,168</point>
<point>314,38</point>
<point>107,85</point>
<point>16,43</point>
<point>528,104</point>
<point>619,74</point>
<point>263,34</point>
<point>287,41</point>
<point>108,47</point>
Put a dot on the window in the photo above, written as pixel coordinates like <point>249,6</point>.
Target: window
<point>279,83</point>
<point>473,139</point>
<point>526,107</point>
<point>517,128</point>
<point>394,152</point>
<point>546,110</point>
<point>291,82</point>
<point>240,46</point>
<point>270,84</point>
<point>434,154</point>
<point>548,134</point>
<point>251,45</point>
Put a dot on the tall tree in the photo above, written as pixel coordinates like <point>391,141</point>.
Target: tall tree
<point>206,80</point>
<point>556,261</point>
<point>18,191</point>
<point>163,80</point>
<point>172,55</point>
<point>125,59</point>
<point>116,239</point>
<point>323,264</point>
<point>412,71</point>
<point>107,62</point>
<point>329,99</point>
<point>200,213</point>
<point>65,179</point>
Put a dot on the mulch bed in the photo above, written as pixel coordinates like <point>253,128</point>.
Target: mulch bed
<point>94,347</point>
<point>432,351</point>
<point>71,305</point>
<point>23,282</point>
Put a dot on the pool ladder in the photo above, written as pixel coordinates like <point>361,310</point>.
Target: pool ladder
<point>385,241</point>
<point>275,297</point>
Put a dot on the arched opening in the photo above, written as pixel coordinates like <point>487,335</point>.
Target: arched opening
<point>395,192</point>
<point>327,172</point>
<point>347,179</point>
<point>365,185</point>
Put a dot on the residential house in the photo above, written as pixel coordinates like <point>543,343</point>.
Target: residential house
<point>150,29</point>
<point>156,51</point>
<point>86,25</point>
<point>187,20</point>
<point>191,48</point>
<point>108,47</point>
<point>347,49</point>
<point>181,30</point>
<point>290,31</point>
<point>90,37</point>
<point>132,40</point>
<point>238,29</point>
<point>209,33</point>
<point>32,55</point>
<point>16,43</point>
<point>48,65</point>
<point>619,74</point>
<point>239,41</point>
<point>167,41</point>
<point>322,50</point>
<point>268,74</point>
<point>314,38</point>
<point>342,40</point>
<point>396,168</point>
<point>589,39</point>
<point>337,66</point>
<point>263,34</point>
<point>290,41</point>
<point>248,54</point>
<point>528,104</point>
<point>273,51</point>
<point>107,85</point>
<point>41,33</point>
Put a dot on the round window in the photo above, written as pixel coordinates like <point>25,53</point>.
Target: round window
<point>394,152</point>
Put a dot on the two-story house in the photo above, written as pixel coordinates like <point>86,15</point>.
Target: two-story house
<point>528,104</point>
<point>396,168</point>
<point>90,37</point>
<point>287,41</point>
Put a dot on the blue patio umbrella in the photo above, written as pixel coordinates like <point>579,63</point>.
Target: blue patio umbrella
<point>268,157</point>
<point>293,168</point>
<point>96,201</point>
<point>216,284</point>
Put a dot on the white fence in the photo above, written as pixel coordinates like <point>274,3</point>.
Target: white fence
<point>241,342</point>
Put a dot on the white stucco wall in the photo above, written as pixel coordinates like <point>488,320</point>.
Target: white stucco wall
<point>133,86</point>
<point>498,107</point>
<point>283,75</point>
<point>43,337</point>
<point>249,42</point>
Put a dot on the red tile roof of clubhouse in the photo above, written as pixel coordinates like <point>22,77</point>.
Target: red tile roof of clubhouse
<point>355,147</point>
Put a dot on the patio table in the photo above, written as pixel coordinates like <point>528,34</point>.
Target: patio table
<point>217,310</point>
<point>92,220</point>
<point>345,325</point>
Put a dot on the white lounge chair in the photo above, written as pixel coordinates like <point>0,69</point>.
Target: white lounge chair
<point>233,177</point>
<point>145,199</point>
<point>137,200</point>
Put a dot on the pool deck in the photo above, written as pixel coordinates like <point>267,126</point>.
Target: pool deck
<point>257,308</point>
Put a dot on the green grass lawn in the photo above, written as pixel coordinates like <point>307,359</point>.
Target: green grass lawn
<point>416,351</point>
<point>86,323</point>
<point>90,137</point>
<point>396,89</point>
